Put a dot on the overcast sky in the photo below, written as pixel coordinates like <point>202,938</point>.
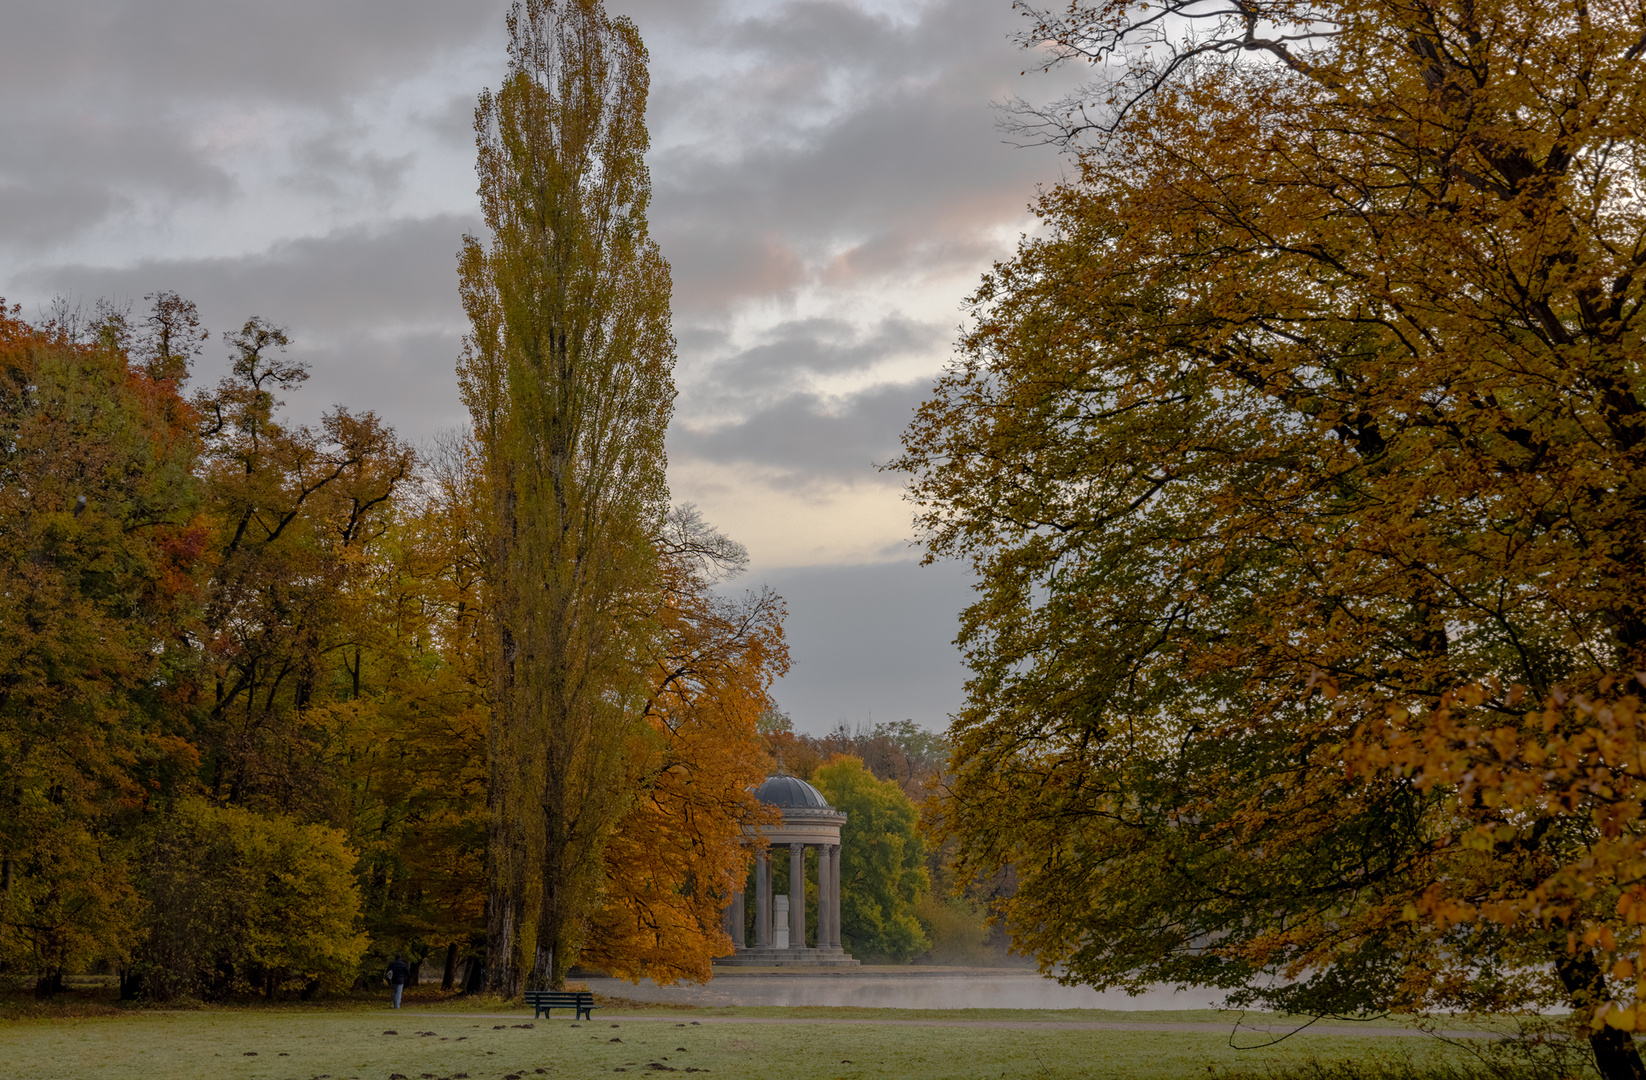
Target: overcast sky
<point>829,184</point>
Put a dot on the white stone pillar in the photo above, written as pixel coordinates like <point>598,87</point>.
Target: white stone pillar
<point>780,908</point>
<point>834,900</point>
<point>762,900</point>
<point>797,896</point>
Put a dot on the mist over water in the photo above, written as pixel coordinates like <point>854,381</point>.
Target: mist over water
<point>961,990</point>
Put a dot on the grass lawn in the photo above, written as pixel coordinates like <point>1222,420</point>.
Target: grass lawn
<point>442,1041</point>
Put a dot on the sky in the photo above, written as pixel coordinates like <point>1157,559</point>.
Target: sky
<point>830,181</point>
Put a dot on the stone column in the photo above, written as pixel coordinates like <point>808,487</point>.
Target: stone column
<point>797,896</point>
<point>822,897</point>
<point>738,938</point>
<point>834,899</point>
<point>762,900</point>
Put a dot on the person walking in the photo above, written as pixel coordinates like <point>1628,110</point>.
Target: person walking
<point>397,975</point>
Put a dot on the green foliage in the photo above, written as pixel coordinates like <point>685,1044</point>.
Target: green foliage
<point>773,721</point>
<point>243,900</point>
<point>882,862</point>
<point>412,721</point>
<point>957,929</point>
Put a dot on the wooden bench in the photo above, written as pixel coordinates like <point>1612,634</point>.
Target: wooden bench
<point>543,1000</point>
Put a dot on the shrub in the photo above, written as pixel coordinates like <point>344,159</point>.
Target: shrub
<point>241,900</point>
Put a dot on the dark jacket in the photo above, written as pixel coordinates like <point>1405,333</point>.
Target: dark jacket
<point>398,972</point>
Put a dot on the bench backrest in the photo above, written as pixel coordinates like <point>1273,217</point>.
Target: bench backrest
<point>535,997</point>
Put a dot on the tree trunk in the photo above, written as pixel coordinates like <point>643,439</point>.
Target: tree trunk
<point>502,973</point>
<point>550,924</point>
<point>1616,1056</point>
<point>49,984</point>
<point>474,976</point>
<point>451,967</point>
<point>506,871</point>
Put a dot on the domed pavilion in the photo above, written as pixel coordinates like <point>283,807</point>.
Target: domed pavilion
<point>780,931</point>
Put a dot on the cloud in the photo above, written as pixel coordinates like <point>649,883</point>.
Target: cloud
<point>312,52</point>
<point>828,183</point>
<point>805,354</point>
<point>872,643</point>
<point>838,150</point>
<point>373,310</point>
<point>804,440</point>
<point>63,174</point>
<point>387,277</point>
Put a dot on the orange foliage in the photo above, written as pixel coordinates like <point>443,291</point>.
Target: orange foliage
<point>677,856</point>
<point>1543,832</point>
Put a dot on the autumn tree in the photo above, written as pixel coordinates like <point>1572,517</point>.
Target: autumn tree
<point>295,509</point>
<point>1315,400</point>
<point>567,376</point>
<point>677,855</point>
<point>408,714</point>
<point>101,537</point>
<point>231,638</point>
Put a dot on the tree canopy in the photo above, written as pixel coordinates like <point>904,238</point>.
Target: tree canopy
<point>882,862</point>
<point>1314,403</point>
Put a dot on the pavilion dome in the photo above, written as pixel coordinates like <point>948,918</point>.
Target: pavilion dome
<point>791,793</point>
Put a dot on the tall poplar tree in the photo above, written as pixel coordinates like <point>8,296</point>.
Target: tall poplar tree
<point>567,375</point>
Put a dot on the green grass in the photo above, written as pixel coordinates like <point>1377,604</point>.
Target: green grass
<point>271,1043</point>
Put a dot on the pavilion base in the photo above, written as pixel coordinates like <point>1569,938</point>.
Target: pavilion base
<point>832,956</point>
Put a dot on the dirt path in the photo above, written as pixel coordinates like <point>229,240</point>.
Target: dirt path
<point>1009,1025</point>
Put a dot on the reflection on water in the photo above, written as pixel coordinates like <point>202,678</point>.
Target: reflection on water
<point>965,989</point>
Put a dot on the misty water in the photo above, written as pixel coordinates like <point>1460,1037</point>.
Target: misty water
<point>959,989</point>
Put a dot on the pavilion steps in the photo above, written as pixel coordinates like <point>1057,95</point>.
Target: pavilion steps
<point>768,956</point>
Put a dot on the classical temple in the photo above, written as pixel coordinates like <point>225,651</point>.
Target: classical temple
<point>780,931</point>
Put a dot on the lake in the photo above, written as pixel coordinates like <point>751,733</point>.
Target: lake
<point>902,988</point>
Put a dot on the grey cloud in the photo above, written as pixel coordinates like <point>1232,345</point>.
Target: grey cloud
<point>408,379</point>
<point>823,34</point>
<point>374,311</point>
<point>62,175</point>
<point>908,170</point>
<point>716,261</point>
<point>308,51</point>
<point>328,163</point>
<point>453,122</point>
<point>873,643</point>
<point>111,106</point>
<point>807,440</point>
<point>390,277</point>
<point>34,216</point>
<point>795,350</point>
